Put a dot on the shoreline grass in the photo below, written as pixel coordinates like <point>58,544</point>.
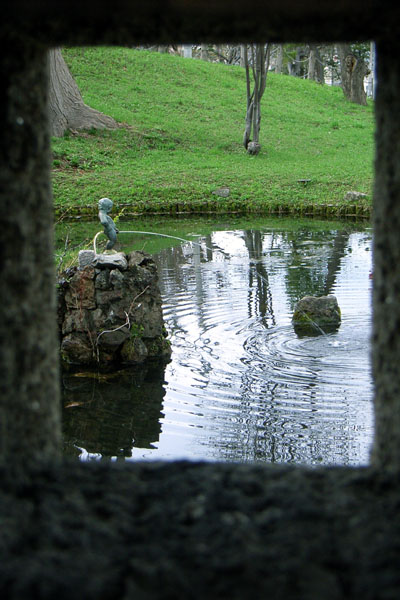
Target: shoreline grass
<point>179,140</point>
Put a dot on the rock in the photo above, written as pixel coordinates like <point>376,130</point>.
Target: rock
<point>354,196</point>
<point>116,279</point>
<point>102,280</point>
<point>137,258</point>
<point>76,349</point>
<point>118,260</point>
<point>113,338</point>
<point>79,293</point>
<point>316,315</point>
<point>85,258</point>
<point>76,320</point>
<point>134,351</point>
<point>111,314</point>
<point>223,192</point>
<point>253,148</point>
<point>107,297</point>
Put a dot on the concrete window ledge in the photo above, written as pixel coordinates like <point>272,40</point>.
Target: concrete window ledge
<point>180,530</point>
<point>184,530</point>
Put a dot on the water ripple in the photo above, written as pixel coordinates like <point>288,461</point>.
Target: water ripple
<point>260,391</point>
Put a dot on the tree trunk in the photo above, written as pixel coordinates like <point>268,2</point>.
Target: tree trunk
<point>66,107</point>
<point>259,66</point>
<point>279,59</point>
<point>315,67</point>
<point>353,71</point>
<point>297,68</point>
<point>204,51</point>
<point>243,50</point>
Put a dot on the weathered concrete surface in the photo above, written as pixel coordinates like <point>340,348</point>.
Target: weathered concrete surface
<point>180,531</point>
<point>131,21</point>
<point>195,531</point>
<point>29,389</point>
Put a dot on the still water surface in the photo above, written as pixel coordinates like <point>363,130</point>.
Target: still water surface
<point>242,386</point>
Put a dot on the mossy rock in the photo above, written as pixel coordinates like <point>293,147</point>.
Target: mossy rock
<point>134,351</point>
<point>316,315</point>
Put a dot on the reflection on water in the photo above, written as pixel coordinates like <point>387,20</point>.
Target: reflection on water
<point>242,386</point>
<point>108,416</point>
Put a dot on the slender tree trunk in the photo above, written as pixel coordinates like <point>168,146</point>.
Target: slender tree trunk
<point>279,59</point>
<point>66,107</point>
<point>243,50</point>
<point>259,67</point>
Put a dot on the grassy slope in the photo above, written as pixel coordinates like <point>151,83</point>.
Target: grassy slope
<point>184,121</point>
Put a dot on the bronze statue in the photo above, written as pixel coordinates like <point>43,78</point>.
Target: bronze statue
<point>105,206</point>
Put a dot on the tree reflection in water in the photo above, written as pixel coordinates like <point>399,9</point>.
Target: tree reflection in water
<point>107,416</point>
<point>241,385</point>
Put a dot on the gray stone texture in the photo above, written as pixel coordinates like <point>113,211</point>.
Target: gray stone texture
<point>316,314</point>
<point>112,312</point>
<point>179,530</point>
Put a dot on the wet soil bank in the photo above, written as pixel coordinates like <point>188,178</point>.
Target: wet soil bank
<point>194,530</point>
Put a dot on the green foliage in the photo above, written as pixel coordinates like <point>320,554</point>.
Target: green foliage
<point>182,123</point>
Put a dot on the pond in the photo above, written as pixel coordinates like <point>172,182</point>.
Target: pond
<point>241,385</point>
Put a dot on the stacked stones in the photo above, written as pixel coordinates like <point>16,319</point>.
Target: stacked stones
<point>110,311</point>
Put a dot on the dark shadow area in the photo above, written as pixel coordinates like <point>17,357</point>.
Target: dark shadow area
<point>184,530</point>
<point>109,414</point>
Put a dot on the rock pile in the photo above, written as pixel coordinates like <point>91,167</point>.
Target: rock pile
<point>109,311</point>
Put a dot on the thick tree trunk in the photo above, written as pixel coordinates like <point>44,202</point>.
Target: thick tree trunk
<point>315,68</point>
<point>66,107</point>
<point>353,71</point>
<point>29,395</point>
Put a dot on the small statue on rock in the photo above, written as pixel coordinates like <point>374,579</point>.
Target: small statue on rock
<point>105,206</point>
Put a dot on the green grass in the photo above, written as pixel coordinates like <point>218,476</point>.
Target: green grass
<point>182,126</point>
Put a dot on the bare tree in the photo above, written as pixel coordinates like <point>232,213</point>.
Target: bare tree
<point>66,107</point>
<point>256,58</point>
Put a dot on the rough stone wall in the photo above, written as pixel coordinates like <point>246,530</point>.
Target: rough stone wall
<point>132,22</point>
<point>180,530</point>
<point>386,336</point>
<point>29,391</point>
<point>110,312</point>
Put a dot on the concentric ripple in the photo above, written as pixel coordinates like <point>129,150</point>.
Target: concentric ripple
<point>242,386</point>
